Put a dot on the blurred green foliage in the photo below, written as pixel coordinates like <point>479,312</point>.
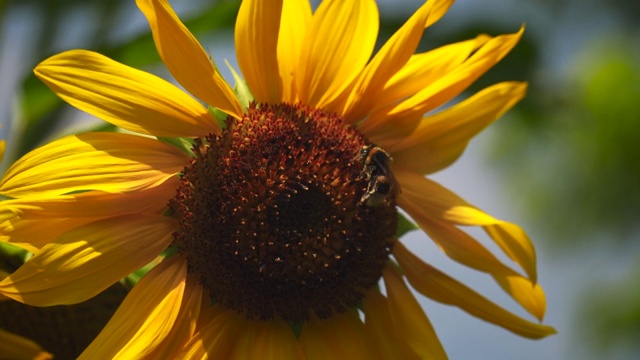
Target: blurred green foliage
<point>41,109</point>
<point>574,153</point>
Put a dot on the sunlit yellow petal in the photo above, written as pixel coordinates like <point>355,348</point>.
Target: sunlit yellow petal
<point>461,247</point>
<point>146,315</point>
<point>185,324</point>
<point>440,287</point>
<point>425,199</point>
<point>425,68</point>
<point>516,244</point>
<point>267,340</point>
<point>295,20</point>
<point>132,99</point>
<point>448,86</point>
<point>387,340</point>
<point>387,61</point>
<point>30,223</point>
<point>109,162</point>
<point>341,336</point>
<point>16,347</point>
<point>86,260</point>
<point>186,59</point>
<point>338,44</point>
<point>217,339</point>
<point>32,235</point>
<point>407,315</point>
<point>441,138</point>
<point>256,39</point>
<point>91,204</point>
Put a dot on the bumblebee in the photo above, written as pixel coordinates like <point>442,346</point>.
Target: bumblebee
<point>375,169</point>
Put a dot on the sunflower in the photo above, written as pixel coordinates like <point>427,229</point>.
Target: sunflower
<point>273,212</point>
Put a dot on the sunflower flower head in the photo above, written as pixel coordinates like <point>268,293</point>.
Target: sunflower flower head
<point>270,234</point>
<point>292,238</point>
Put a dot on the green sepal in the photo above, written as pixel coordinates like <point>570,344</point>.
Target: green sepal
<point>184,144</point>
<point>132,279</point>
<point>404,226</point>
<point>241,89</point>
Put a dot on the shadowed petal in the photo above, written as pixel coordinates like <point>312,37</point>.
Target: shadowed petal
<point>341,336</point>
<point>126,97</point>
<point>145,317</point>
<point>217,339</point>
<point>407,314</point>
<point>16,347</point>
<point>436,285</point>
<point>388,340</point>
<point>88,259</point>
<point>185,58</point>
<point>256,38</point>
<point>272,339</point>
<point>109,162</point>
<point>339,42</point>
<point>425,199</point>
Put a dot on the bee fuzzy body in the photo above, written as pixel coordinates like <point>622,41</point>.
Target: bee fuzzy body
<point>382,185</point>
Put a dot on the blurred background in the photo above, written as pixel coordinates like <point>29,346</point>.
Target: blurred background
<point>564,163</point>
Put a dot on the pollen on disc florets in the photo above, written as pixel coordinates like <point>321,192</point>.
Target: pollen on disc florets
<point>271,218</point>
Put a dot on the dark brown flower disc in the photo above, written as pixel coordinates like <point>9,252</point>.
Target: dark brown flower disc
<point>271,216</point>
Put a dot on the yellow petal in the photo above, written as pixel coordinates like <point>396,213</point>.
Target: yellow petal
<point>88,259</point>
<point>516,244</point>
<point>256,38</point>
<point>217,339</point>
<point>407,314</point>
<point>338,44</point>
<point>32,235</point>
<point>145,317</point>
<point>449,85</point>
<point>126,97</point>
<point>425,68</point>
<point>109,162</point>
<point>185,58</point>
<point>341,336</point>
<point>461,247</point>
<point>388,341</point>
<point>391,57</point>
<point>30,223</point>
<point>440,287</point>
<point>425,199</point>
<point>3,146</point>
<point>441,138</point>
<point>272,339</point>
<point>91,204</point>
<point>185,324</point>
<point>294,22</point>
<point>16,347</point>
